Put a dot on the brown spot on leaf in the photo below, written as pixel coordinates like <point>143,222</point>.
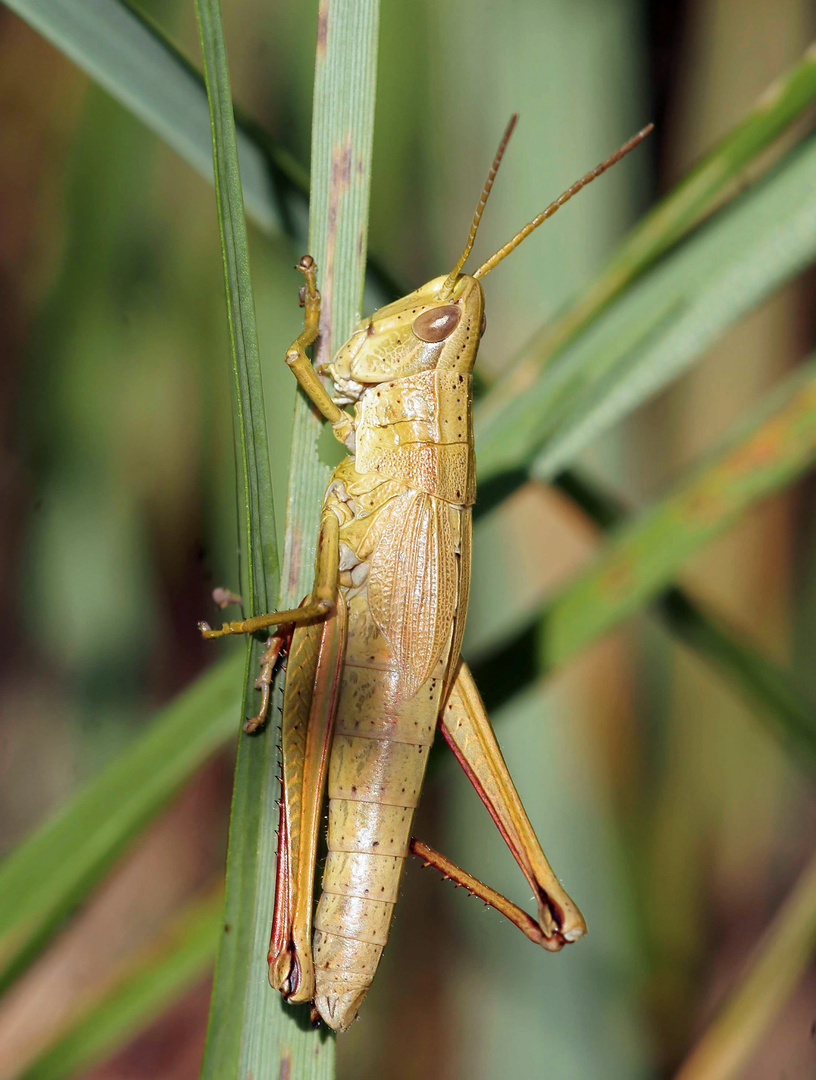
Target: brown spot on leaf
<point>616,580</point>
<point>296,549</point>
<point>341,164</point>
<point>705,503</point>
<point>322,29</point>
<point>285,1070</point>
<point>760,451</point>
<point>340,175</point>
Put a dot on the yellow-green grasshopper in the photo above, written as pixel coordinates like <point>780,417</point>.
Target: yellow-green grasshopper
<point>373,665</point>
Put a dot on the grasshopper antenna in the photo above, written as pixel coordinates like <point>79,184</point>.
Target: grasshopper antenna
<point>477,217</point>
<point>503,252</point>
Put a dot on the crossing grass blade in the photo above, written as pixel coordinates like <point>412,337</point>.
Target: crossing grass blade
<point>130,58</point>
<point>763,455</point>
<point>137,993</point>
<point>660,326</point>
<point>781,959</point>
<point>783,703</point>
<point>44,878</point>
<point>705,186</point>
<point>764,684</point>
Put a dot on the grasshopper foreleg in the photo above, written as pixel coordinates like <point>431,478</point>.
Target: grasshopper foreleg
<point>298,361</point>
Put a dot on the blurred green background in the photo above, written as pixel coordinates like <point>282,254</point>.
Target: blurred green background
<point>672,815</point>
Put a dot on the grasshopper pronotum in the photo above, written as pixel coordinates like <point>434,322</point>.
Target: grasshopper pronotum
<point>373,653</point>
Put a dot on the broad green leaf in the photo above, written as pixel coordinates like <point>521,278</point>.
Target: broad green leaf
<point>46,876</point>
<point>136,64</point>
<point>660,326</point>
<point>782,957</point>
<point>136,994</point>
<point>252,1032</point>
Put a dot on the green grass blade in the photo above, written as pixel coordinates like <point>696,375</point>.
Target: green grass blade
<point>764,684</point>
<point>660,326</point>
<point>137,65</point>
<point>781,959</point>
<point>45,877</point>
<point>258,543</point>
<point>253,800</point>
<point>765,454</point>
<point>700,190</point>
<point>252,1032</point>
<point>135,995</point>
<point>774,446</point>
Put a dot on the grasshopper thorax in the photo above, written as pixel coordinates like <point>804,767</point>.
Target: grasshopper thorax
<point>435,326</point>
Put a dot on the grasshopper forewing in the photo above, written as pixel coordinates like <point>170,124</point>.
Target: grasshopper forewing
<point>373,664</point>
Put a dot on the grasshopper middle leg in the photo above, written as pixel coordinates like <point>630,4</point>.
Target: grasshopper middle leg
<point>322,600</point>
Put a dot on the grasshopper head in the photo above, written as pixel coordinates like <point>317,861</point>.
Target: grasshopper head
<point>437,325</point>
<point>441,324</point>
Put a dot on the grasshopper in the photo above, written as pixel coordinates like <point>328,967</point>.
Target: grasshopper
<point>373,668</point>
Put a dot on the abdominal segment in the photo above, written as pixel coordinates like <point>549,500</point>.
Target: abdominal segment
<point>377,764</point>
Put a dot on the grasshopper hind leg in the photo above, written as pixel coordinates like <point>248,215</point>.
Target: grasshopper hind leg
<point>313,675</point>
<point>467,730</point>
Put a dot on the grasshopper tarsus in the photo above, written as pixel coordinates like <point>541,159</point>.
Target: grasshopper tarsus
<point>308,293</point>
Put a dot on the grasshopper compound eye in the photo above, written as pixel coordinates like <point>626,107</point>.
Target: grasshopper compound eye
<point>437,323</point>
